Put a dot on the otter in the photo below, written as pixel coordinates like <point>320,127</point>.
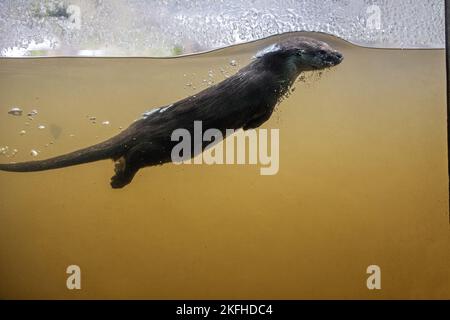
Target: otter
<point>246,100</point>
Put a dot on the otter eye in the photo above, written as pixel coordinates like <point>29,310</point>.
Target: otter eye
<point>322,52</point>
<point>300,52</point>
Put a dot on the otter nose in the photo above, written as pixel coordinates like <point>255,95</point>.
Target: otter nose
<point>338,56</point>
<point>333,58</point>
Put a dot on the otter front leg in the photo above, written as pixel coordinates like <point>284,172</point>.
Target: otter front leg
<point>127,166</point>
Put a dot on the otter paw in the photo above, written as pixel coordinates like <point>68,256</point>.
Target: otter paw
<point>119,181</point>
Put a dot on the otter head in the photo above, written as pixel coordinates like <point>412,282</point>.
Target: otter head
<point>301,54</point>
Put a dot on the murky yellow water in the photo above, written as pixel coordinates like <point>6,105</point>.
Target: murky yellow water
<point>362,181</point>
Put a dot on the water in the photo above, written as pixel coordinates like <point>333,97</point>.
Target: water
<point>362,180</point>
<point>141,28</point>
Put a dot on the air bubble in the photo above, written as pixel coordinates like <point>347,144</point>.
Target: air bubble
<point>15,111</point>
<point>32,113</point>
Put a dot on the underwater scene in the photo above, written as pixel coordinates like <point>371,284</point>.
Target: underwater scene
<point>361,179</point>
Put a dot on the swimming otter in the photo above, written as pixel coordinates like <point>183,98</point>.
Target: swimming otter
<point>245,100</point>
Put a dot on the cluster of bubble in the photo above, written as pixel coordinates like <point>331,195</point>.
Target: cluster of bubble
<point>214,75</point>
<point>142,28</point>
<point>18,112</point>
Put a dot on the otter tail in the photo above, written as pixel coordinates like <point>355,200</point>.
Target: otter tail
<point>101,151</point>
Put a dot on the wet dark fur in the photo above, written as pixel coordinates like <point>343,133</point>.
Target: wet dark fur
<point>245,100</point>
